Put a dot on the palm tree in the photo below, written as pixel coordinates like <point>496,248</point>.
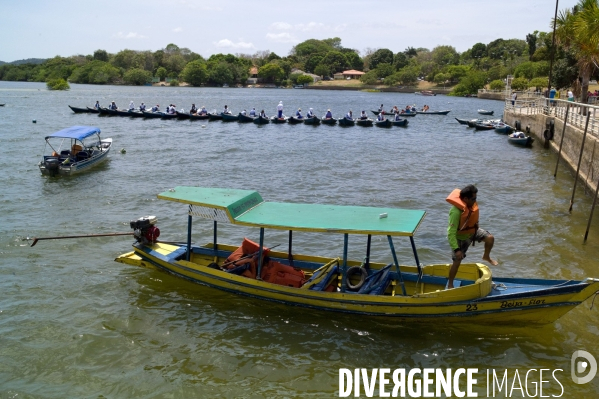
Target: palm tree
<point>578,31</point>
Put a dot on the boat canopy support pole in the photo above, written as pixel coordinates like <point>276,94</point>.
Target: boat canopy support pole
<point>344,267</point>
<point>584,138</point>
<point>260,254</point>
<point>403,287</point>
<point>417,261</point>
<point>561,142</point>
<point>367,260</point>
<point>215,245</point>
<point>289,255</point>
<point>189,220</point>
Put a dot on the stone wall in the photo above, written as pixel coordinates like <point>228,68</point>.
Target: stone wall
<point>572,143</point>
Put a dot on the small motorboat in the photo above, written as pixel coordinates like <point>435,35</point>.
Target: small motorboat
<point>213,116</point>
<point>78,110</point>
<point>346,122</point>
<point>520,138</point>
<point>484,126</point>
<point>384,123</point>
<point>445,112</point>
<point>230,118</point>
<point>261,120</point>
<point>294,121</point>
<point>274,119</point>
<point>503,128</point>
<point>314,120</point>
<point>147,114</point>
<point>485,112</point>
<point>245,118</point>
<point>364,122</point>
<point>73,150</point>
<point>400,122</point>
<point>198,116</point>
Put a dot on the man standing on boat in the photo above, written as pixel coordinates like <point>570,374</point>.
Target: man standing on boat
<point>280,110</point>
<point>463,228</point>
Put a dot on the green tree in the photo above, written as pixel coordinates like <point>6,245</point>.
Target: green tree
<point>195,73</point>
<point>220,74</point>
<point>478,50</point>
<point>400,60</point>
<point>161,73</point>
<point>137,76</point>
<point>322,70</point>
<point>312,61</point>
<point>520,84</point>
<point>383,70</point>
<point>271,72</point>
<point>380,56</point>
<point>353,59</point>
<point>470,83</point>
<point>531,40</point>
<point>101,55</point>
<point>577,30</point>
<point>124,59</point>
<point>445,55</point>
<point>369,78</point>
<point>336,61</point>
<point>441,78</point>
<point>539,83</point>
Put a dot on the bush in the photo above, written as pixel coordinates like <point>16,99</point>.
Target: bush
<point>497,85</point>
<point>137,76</point>
<point>520,84</point>
<point>303,79</point>
<point>174,82</point>
<point>57,84</point>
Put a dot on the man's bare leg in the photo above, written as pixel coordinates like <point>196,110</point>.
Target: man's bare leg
<point>489,241</point>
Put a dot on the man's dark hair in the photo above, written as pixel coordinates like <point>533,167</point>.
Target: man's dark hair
<point>469,191</point>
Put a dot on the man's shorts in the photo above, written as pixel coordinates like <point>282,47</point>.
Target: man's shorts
<point>480,235</point>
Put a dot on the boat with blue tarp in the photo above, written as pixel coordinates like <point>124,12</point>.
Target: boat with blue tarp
<point>337,283</point>
<point>73,150</point>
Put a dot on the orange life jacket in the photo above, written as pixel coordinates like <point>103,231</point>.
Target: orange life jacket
<point>469,217</point>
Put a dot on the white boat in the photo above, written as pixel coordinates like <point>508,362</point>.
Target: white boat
<point>74,149</point>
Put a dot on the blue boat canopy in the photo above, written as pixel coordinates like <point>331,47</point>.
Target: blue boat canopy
<point>246,207</point>
<point>75,132</point>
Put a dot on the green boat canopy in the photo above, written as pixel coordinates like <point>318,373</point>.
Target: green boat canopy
<point>246,207</point>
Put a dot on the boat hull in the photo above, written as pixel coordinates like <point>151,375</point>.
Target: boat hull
<point>259,120</point>
<point>78,110</point>
<point>346,122</point>
<point>294,121</point>
<point>480,300</point>
<point>328,121</point>
<point>385,123</point>
<point>230,118</point>
<point>401,122</point>
<point>312,121</point>
<point>246,119</point>
<point>521,141</point>
<point>433,112</point>
<point>364,122</point>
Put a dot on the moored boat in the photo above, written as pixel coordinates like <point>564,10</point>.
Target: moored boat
<point>294,121</point>
<point>503,128</point>
<point>346,122</point>
<point>485,112</point>
<point>84,150</point>
<point>245,118</point>
<point>444,112</point>
<point>78,110</point>
<point>384,123</point>
<point>213,116</point>
<point>198,116</point>
<point>261,120</point>
<point>520,138</point>
<point>462,121</point>
<point>484,126</point>
<point>400,122</point>
<point>182,115</point>
<point>275,119</point>
<point>230,117</point>
<point>337,283</point>
<point>148,114</point>
<point>314,120</point>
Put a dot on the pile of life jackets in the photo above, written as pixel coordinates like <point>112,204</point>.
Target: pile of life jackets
<point>245,258</point>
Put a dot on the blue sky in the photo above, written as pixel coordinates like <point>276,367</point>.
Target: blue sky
<point>44,29</point>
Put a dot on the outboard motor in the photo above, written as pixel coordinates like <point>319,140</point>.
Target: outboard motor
<point>51,165</point>
<point>144,229</point>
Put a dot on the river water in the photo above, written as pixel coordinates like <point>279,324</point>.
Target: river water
<point>74,323</point>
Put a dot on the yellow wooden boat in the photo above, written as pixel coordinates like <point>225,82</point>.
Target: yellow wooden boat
<point>415,293</point>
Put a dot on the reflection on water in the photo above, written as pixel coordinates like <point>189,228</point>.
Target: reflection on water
<point>76,324</point>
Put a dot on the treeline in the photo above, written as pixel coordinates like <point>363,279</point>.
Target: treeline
<point>480,66</point>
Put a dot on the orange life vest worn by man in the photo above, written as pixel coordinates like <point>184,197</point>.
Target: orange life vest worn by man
<point>463,228</point>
